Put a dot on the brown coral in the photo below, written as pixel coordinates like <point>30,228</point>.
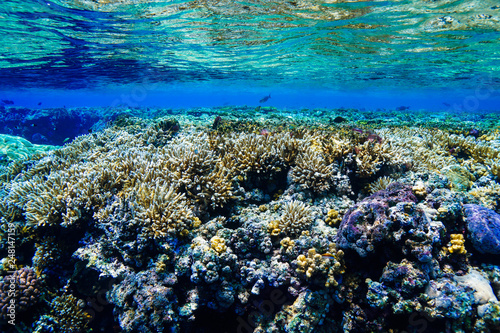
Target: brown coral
<point>20,289</point>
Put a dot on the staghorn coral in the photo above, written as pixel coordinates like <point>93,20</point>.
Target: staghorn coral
<point>488,195</point>
<point>162,211</point>
<point>312,171</point>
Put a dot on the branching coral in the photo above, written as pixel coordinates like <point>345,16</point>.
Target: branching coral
<point>380,184</point>
<point>312,171</point>
<point>296,218</point>
<point>67,316</point>
<point>162,210</point>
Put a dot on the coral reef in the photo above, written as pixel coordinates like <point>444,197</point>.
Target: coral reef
<point>244,219</point>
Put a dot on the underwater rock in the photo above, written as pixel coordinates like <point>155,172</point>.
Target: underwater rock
<point>483,225</point>
<point>146,302</point>
<point>448,299</point>
<point>367,224</point>
<point>483,293</point>
<point>305,314</point>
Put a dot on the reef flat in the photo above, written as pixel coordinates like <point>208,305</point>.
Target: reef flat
<point>240,219</point>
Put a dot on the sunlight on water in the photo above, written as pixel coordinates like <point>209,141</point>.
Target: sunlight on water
<point>356,44</point>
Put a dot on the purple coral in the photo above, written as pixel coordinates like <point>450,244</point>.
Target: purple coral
<point>483,225</point>
<point>367,224</point>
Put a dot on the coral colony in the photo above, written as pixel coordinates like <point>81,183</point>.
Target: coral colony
<point>233,220</point>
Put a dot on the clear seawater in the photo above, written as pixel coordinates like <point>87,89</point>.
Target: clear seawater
<point>425,54</point>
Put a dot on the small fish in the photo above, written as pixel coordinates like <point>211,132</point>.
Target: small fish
<point>374,138</point>
<point>217,122</point>
<point>265,132</point>
<point>328,255</point>
<point>402,108</point>
<point>359,130</point>
<point>446,104</point>
<point>9,102</point>
<point>474,132</point>
<point>39,103</point>
<point>265,99</point>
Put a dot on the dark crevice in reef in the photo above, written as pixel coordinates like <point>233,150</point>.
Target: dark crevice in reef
<point>269,185</point>
<point>211,321</point>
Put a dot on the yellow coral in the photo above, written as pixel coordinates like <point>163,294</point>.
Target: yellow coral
<point>457,242</point>
<point>287,244</point>
<point>419,189</point>
<point>218,244</point>
<point>333,218</point>
<point>327,265</point>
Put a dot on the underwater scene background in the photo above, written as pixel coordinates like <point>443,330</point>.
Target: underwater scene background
<point>250,166</point>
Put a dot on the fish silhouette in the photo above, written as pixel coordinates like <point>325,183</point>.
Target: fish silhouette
<point>264,99</point>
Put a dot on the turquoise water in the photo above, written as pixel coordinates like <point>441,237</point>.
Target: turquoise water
<point>217,166</point>
<point>305,53</point>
